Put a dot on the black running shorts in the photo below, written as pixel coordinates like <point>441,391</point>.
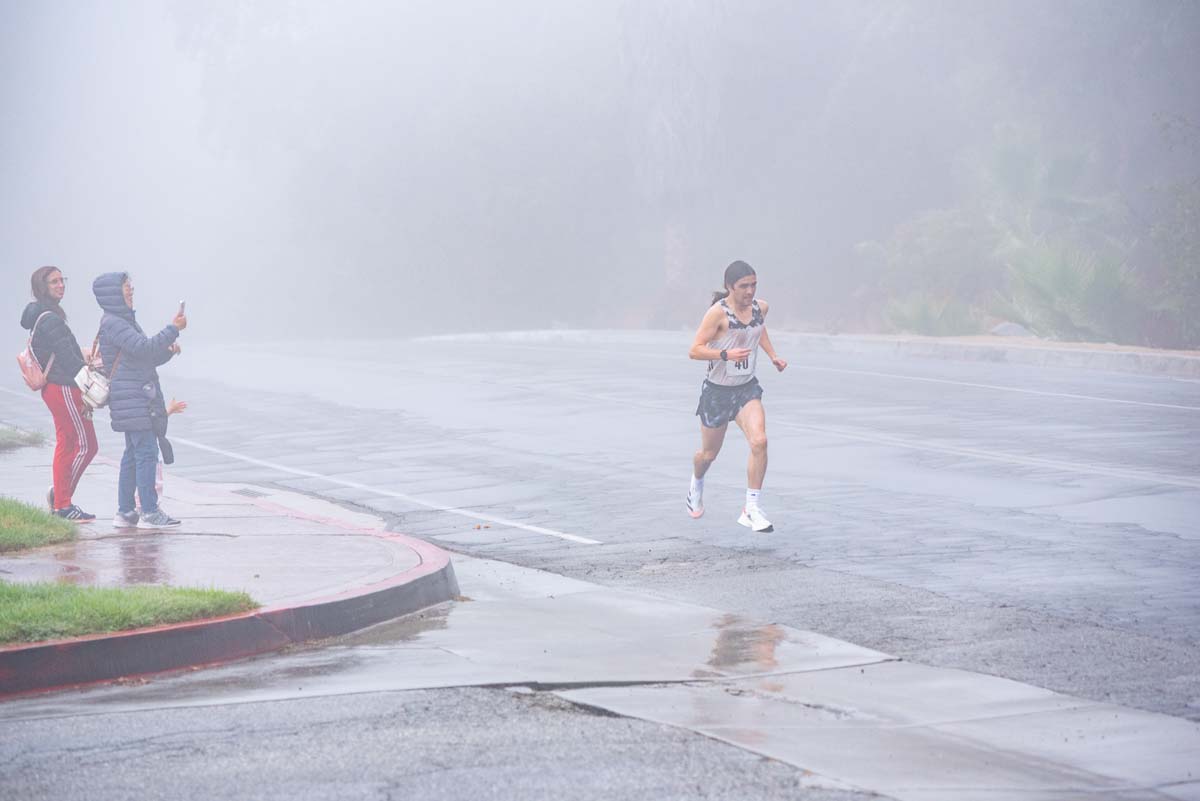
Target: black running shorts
<point>720,404</point>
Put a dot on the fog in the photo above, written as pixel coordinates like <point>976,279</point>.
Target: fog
<point>312,169</point>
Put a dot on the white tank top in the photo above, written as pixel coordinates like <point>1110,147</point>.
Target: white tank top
<point>739,335</point>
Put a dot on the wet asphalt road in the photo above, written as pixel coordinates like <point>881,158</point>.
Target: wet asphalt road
<point>1030,523</point>
<point>1037,524</point>
<point>429,744</point>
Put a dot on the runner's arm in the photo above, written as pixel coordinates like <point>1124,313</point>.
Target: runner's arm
<point>765,343</point>
<point>710,330</point>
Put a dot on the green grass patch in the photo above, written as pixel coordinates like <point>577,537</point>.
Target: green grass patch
<point>34,612</point>
<point>23,526</point>
<point>11,438</point>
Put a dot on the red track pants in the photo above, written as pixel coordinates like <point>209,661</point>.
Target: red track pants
<point>75,438</point>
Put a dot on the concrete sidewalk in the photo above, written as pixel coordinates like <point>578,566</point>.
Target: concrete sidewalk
<point>315,572</point>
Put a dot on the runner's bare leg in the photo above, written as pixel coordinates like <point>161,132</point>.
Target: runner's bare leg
<point>711,440</point>
<point>753,422</point>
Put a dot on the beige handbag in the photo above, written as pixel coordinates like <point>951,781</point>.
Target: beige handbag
<point>91,382</point>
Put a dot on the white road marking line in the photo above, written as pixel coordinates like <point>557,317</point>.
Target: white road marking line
<point>907,444</point>
<point>1027,461</point>
<point>996,387</point>
<point>549,532</point>
<point>389,493</point>
<point>900,377</point>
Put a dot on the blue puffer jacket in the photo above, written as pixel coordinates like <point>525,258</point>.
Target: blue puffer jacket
<point>135,399</point>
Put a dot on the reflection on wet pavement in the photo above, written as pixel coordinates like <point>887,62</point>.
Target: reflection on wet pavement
<point>141,561</point>
<point>138,560</point>
<point>741,642</point>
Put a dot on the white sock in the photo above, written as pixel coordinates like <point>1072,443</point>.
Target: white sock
<point>697,485</point>
<point>752,498</point>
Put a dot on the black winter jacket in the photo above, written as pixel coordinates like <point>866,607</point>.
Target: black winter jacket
<point>135,400</point>
<point>53,336</point>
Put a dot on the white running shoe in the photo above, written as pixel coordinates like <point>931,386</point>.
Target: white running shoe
<point>695,501</point>
<point>753,518</point>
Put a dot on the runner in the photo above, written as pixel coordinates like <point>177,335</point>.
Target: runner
<point>732,331</point>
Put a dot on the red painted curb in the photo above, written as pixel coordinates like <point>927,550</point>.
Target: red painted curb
<point>58,664</point>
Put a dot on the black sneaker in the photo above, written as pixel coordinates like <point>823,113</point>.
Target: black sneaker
<point>74,513</point>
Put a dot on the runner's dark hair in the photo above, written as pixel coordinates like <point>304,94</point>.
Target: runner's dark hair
<point>735,272</point>
<point>39,283</point>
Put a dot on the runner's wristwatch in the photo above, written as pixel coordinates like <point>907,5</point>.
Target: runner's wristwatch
<point>724,355</point>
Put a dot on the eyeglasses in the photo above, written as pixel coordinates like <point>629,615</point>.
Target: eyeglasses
<point>62,279</point>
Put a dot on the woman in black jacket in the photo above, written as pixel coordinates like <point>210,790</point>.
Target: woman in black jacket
<point>75,436</point>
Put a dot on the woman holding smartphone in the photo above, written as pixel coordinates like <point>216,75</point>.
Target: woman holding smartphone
<point>136,404</point>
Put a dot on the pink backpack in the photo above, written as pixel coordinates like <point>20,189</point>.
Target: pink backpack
<point>31,369</point>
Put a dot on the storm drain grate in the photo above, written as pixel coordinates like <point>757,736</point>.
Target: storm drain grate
<point>250,493</point>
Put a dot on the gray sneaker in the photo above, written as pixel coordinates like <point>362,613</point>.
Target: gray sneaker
<point>125,519</point>
<point>157,519</point>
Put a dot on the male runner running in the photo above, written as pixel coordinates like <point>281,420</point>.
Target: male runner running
<point>732,331</point>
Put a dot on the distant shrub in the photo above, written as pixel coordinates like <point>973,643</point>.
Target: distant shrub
<point>1069,293</point>
<point>1042,242</point>
<point>924,313</point>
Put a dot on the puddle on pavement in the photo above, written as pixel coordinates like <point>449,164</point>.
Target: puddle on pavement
<point>742,643</point>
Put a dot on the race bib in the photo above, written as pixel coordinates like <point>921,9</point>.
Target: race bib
<point>740,368</point>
